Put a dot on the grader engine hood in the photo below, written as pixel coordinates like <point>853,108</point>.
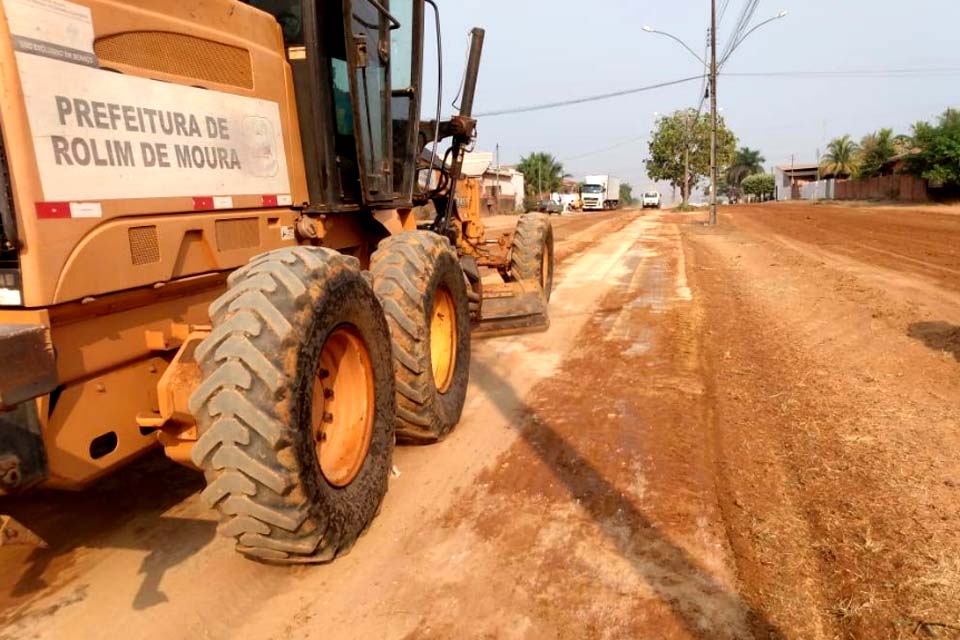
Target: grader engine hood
<point>115,113</point>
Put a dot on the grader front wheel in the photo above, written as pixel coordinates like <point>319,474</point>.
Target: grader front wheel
<point>532,252</point>
<point>418,278</point>
<point>296,407</point>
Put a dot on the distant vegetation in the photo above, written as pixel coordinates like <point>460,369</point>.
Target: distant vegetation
<point>931,151</point>
<point>626,194</point>
<point>746,162</point>
<point>937,146</point>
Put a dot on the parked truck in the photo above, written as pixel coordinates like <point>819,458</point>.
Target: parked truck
<point>208,245</point>
<point>600,193</point>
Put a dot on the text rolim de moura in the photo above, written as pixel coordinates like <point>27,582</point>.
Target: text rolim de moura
<point>90,151</point>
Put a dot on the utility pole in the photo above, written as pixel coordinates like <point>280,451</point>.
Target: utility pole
<point>816,192</point>
<point>497,189</point>
<point>713,112</point>
<point>686,160</point>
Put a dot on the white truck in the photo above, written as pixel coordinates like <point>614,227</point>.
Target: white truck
<point>600,193</point>
<point>650,199</point>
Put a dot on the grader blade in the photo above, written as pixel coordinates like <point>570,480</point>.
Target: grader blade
<point>511,308</point>
<point>12,532</point>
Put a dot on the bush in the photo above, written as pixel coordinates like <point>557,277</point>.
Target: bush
<point>759,185</point>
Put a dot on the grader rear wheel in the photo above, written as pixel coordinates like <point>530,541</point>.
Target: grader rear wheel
<point>532,254</point>
<point>419,281</point>
<point>296,408</point>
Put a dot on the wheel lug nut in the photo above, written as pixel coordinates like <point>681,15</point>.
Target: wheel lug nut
<point>328,417</point>
<point>328,394</point>
<point>323,374</point>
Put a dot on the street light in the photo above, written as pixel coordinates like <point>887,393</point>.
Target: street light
<point>683,44</point>
<point>782,14</point>
<point>712,72</point>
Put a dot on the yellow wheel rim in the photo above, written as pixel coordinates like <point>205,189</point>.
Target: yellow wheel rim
<point>343,406</point>
<point>443,339</point>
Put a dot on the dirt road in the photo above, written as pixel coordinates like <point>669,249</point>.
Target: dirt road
<point>741,432</point>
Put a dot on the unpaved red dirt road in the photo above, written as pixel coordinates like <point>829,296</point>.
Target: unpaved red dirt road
<point>748,431</point>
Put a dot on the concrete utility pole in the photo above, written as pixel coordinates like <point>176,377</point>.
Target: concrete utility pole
<point>713,113</point>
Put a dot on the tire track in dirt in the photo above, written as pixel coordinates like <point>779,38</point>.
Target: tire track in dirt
<point>602,520</point>
<point>152,568</point>
<point>838,429</point>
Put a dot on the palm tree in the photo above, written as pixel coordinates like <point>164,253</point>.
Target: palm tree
<point>542,173</point>
<point>876,149</point>
<point>841,158</point>
<point>746,162</point>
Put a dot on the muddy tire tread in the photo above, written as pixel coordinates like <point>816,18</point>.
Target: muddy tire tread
<point>246,442</point>
<point>399,267</point>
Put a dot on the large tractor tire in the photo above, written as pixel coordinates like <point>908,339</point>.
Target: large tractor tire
<point>531,257</point>
<point>418,279</point>
<point>296,409</point>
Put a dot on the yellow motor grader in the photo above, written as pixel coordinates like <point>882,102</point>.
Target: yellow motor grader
<point>208,244</point>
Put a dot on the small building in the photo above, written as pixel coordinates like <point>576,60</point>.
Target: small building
<point>501,188</point>
<point>790,179</point>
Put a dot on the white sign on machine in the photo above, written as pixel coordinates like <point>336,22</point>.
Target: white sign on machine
<point>101,135</point>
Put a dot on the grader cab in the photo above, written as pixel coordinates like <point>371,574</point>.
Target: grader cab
<point>208,244</point>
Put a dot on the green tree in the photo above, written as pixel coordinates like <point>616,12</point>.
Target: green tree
<point>746,162</point>
<point>841,158</point>
<point>626,194</point>
<point>876,149</point>
<point>684,137</point>
<point>542,174</point>
<point>759,185</point>
<point>938,150</point>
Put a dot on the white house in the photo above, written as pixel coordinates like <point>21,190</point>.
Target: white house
<point>502,186</point>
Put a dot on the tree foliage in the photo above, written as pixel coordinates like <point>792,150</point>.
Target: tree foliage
<point>626,194</point>
<point>687,133</point>
<point>938,150</point>
<point>759,185</point>
<point>542,174</point>
<point>841,157</point>
<point>746,162</point>
<point>876,149</point>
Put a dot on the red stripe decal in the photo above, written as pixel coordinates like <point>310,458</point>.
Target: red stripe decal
<point>202,203</point>
<point>51,210</point>
<point>269,201</point>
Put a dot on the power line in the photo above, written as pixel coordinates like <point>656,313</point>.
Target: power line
<point>814,74</point>
<point>849,73</point>
<point>617,145</point>
<point>594,98</point>
<point>746,16</point>
<point>723,12</point>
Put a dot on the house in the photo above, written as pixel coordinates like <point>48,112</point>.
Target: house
<point>790,179</point>
<point>501,188</point>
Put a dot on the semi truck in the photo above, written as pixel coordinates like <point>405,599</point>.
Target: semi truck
<point>600,193</point>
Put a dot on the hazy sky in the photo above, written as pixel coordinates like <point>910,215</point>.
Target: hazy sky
<point>543,51</point>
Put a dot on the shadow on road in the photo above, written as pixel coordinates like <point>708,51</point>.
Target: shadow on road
<point>660,562</point>
<point>123,511</point>
<point>938,336</point>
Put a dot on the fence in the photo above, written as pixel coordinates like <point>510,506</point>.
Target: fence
<point>897,187</point>
<point>820,190</point>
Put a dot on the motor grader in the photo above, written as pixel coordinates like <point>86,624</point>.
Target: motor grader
<point>208,245</point>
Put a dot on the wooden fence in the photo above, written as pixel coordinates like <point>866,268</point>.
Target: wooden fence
<point>897,187</point>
